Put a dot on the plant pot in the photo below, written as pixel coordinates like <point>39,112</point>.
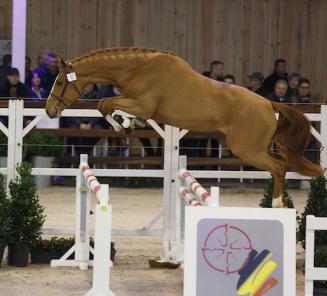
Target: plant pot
<point>42,162</point>
<point>2,250</point>
<point>44,257</point>
<point>18,254</point>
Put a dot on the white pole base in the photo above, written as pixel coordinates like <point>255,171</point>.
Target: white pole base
<point>71,263</point>
<point>95,292</point>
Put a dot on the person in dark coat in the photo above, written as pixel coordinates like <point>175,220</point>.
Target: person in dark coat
<point>278,74</point>
<point>256,83</point>
<point>216,71</point>
<point>4,68</point>
<point>280,92</point>
<point>13,87</point>
<point>48,72</point>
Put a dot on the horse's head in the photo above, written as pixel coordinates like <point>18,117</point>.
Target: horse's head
<point>66,90</point>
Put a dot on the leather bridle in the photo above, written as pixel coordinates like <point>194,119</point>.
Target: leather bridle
<point>61,97</point>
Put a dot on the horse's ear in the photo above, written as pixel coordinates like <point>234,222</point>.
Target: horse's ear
<point>61,64</point>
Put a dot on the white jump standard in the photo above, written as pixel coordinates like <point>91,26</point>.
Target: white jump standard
<point>87,183</point>
<point>189,190</point>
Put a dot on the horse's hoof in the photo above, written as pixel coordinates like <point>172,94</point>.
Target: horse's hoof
<point>277,202</point>
<point>115,125</point>
<point>126,122</point>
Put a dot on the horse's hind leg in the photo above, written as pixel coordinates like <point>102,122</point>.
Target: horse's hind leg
<point>264,160</point>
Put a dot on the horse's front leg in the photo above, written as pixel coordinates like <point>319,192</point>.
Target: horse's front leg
<point>107,106</point>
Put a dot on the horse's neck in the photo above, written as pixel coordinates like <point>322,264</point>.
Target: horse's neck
<point>110,66</point>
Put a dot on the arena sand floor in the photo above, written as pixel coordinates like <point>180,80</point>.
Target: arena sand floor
<point>131,275</point>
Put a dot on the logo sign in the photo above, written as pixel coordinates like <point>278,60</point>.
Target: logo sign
<point>239,252</point>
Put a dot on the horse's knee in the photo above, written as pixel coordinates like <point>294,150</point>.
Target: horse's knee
<point>100,106</point>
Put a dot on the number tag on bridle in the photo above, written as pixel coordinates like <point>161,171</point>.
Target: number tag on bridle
<point>71,77</point>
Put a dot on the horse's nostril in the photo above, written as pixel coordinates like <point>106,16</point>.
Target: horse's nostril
<point>49,115</point>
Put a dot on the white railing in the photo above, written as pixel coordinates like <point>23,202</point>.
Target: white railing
<point>313,273</point>
<point>171,136</point>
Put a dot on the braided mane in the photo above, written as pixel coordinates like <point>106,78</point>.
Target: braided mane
<point>120,50</point>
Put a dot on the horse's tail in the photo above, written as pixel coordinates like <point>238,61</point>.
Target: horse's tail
<point>293,134</point>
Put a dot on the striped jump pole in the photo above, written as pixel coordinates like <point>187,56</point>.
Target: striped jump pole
<point>193,194</point>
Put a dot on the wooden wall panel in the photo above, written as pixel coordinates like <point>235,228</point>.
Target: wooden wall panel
<point>247,35</point>
<point>5,19</point>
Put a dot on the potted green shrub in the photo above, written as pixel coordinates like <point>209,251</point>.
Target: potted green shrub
<point>317,206</point>
<point>3,149</point>
<point>43,147</point>
<point>5,220</point>
<point>44,250</point>
<point>26,214</point>
<point>266,201</point>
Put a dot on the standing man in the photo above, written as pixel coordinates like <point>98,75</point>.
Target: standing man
<point>216,71</point>
<point>278,74</point>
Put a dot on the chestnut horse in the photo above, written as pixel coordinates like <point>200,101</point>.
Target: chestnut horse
<point>161,86</point>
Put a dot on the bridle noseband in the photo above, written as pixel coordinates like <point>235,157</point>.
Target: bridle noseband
<point>61,98</point>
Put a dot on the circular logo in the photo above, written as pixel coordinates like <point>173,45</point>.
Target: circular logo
<point>226,249</point>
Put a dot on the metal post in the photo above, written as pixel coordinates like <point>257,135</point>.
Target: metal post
<point>309,255</point>
<point>19,131</point>
<point>11,142</point>
<point>82,235</point>
<point>102,247</point>
<point>19,36</point>
<point>167,189</point>
<point>174,170</point>
<point>180,213</point>
<point>323,132</point>
<point>15,137</point>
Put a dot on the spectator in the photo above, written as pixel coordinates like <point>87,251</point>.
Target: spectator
<point>89,92</point>
<point>4,68</point>
<point>278,74</point>
<point>82,144</point>
<point>37,92</point>
<point>280,92</point>
<point>28,72</point>
<point>229,78</point>
<point>48,72</point>
<point>216,71</point>
<point>40,59</point>
<point>105,91</point>
<point>293,82</point>
<point>303,95</point>
<point>256,83</point>
<point>13,87</point>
